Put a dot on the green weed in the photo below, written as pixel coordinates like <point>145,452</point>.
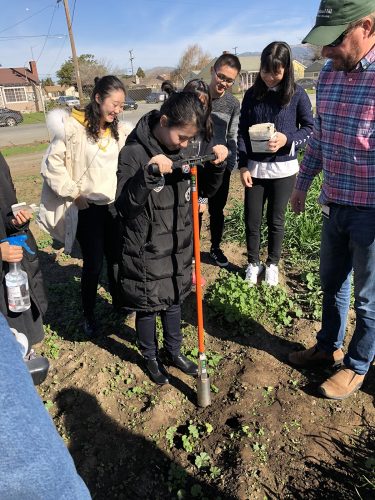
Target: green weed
<point>231,297</point>
<point>52,348</point>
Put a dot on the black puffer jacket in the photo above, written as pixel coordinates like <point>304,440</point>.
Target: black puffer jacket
<point>28,322</point>
<point>155,269</point>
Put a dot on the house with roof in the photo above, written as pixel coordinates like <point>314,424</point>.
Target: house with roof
<point>53,92</point>
<point>20,88</point>
<point>314,69</point>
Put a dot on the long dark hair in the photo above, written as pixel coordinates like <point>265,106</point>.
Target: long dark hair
<point>201,88</point>
<point>184,108</point>
<point>103,87</point>
<point>275,56</point>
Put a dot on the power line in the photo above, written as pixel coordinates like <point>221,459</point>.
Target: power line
<point>20,37</point>
<point>58,55</point>
<point>74,9</point>
<point>49,31</point>
<point>26,18</point>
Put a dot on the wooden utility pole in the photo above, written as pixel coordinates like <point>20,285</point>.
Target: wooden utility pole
<point>131,57</point>
<point>74,53</point>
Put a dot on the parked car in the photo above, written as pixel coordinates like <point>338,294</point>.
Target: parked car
<point>9,117</point>
<point>68,100</point>
<point>156,97</point>
<point>130,103</point>
<point>307,83</point>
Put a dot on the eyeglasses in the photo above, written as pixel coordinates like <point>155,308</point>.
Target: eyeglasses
<point>224,79</point>
<point>338,40</point>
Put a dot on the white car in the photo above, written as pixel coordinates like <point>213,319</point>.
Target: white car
<point>68,100</point>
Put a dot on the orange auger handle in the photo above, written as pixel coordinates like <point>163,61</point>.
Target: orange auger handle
<point>197,255</point>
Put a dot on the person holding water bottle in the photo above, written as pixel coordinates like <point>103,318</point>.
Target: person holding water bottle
<point>29,321</point>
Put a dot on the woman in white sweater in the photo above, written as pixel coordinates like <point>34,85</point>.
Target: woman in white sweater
<point>79,172</point>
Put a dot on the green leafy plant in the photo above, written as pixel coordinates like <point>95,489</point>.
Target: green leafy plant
<point>231,297</point>
<point>44,241</point>
<point>215,472</point>
<point>52,348</point>
<point>202,460</point>
<point>169,436</point>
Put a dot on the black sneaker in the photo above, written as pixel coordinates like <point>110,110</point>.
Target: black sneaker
<point>217,255</point>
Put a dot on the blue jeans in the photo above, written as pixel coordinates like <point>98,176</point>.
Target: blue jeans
<point>35,462</point>
<point>348,245</point>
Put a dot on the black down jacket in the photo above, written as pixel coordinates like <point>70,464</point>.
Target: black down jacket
<point>156,247</point>
<point>29,322</point>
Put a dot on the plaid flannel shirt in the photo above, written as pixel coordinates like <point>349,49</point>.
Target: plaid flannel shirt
<point>343,140</point>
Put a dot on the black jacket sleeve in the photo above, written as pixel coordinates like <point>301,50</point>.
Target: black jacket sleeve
<point>134,182</point>
<point>210,176</point>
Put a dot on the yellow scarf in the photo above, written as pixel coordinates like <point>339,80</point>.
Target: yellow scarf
<point>79,115</point>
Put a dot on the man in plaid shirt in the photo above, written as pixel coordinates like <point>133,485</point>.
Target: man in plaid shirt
<point>343,148</point>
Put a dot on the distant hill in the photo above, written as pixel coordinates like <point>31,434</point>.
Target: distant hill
<point>158,70</point>
<point>302,53</point>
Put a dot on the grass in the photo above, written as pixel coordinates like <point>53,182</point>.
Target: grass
<point>24,149</point>
<point>31,118</point>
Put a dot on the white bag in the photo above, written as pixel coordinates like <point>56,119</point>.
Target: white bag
<point>260,134</point>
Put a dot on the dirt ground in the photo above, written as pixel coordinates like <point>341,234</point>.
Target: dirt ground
<point>267,434</point>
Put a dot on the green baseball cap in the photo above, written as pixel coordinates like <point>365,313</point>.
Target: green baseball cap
<point>333,18</point>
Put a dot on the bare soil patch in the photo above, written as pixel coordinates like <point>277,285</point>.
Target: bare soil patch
<point>267,433</point>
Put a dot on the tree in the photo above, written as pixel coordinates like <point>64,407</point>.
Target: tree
<point>89,68</point>
<point>140,73</point>
<point>193,58</point>
<point>316,52</point>
<point>46,81</point>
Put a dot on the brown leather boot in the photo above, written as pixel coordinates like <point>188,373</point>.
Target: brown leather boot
<point>314,357</point>
<point>342,384</point>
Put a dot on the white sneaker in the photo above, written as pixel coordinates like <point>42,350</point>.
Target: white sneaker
<point>252,273</point>
<point>272,275</point>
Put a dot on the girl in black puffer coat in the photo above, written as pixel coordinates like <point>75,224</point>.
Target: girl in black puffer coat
<point>155,210</point>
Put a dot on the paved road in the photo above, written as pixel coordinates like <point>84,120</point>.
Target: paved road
<point>23,134</point>
<point>28,134</point>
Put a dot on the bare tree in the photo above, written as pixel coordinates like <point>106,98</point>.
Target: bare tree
<point>316,52</point>
<point>193,58</point>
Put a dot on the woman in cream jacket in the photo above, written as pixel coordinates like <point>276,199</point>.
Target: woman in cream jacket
<point>79,172</point>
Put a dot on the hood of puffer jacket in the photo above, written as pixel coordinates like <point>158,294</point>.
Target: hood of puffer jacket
<point>143,134</point>
<point>55,122</point>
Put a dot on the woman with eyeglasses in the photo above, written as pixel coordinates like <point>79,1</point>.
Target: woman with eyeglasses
<point>270,176</point>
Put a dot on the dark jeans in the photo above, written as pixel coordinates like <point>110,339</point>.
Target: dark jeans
<point>98,234</point>
<point>216,205</point>
<point>348,244</point>
<point>145,325</point>
<point>277,193</point>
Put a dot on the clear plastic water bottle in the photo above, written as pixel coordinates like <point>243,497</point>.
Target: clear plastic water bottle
<point>16,279</point>
<point>17,285</point>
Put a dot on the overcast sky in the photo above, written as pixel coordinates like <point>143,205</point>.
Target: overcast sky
<point>157,31</point>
